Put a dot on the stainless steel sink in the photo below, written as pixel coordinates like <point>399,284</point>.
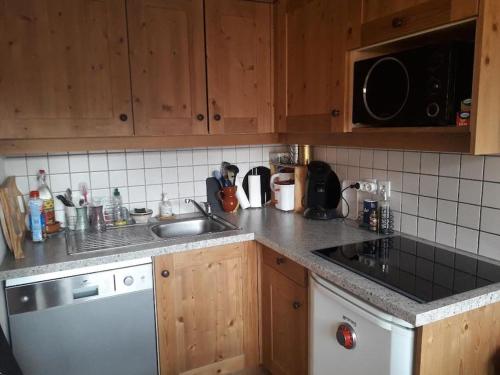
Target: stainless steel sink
<point>192,227</point>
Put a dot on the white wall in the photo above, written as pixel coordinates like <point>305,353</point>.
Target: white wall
<point>141,176</point>
<point>452,199</point>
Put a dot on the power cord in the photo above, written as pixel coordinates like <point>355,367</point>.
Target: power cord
<point>353,186</point>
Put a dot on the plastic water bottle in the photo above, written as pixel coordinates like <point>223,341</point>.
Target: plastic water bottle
<point>37,222</point>
<point>117,208</point>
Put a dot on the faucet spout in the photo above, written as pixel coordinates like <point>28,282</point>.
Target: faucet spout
<point>207,211</point>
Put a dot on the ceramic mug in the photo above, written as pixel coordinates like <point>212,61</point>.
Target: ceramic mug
<point>276,181</point>
<point>285,200</point>
<point>228,198</point>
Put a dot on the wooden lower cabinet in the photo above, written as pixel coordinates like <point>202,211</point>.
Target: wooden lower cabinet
<point>284,323</point>
<point>207,310</point>
<point>467,343</point>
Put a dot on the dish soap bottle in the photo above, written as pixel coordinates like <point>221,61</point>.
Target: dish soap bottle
<point>165,207</point>
<point>47,198</point>
<point>117,204</point>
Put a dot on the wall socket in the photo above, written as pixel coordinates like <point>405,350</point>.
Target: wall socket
<point>382,188</point>
<point>370,186</point>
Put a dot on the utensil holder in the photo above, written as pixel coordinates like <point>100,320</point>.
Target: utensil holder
<point>70,217</point>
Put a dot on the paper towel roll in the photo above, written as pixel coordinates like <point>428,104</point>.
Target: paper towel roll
<point>242,197</point>
<point>254,191</point>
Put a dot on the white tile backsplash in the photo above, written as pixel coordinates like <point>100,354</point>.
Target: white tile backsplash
<point>449,165</point>
<point>428,185</point>
<point>472,167</point>
<point>380,159</point>
<point>491,194</point>
<point>492,168</point>
<point>452,199</point>
<point>141,176</point>
<point>447,211</point>
<point>77,163</point>
<point>411,162</point>
<point>448,188</point>
<point>429,163</point>
<point>468,215</point>
<point>470,191</point>
<point>395,161</point>
<point>446,234</point>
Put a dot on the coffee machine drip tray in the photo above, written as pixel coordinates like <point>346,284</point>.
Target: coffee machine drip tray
<point>319,213</point>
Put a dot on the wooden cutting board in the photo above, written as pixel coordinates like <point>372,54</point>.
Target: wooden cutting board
<point>14,215</point>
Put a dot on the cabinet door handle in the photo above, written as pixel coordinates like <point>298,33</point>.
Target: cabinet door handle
<point>200,117</point>
<point>280,261</point>
<point>335,113</point>
<point>217,117</point>
<point>165,273</point>
<point>296,305</point>
<point>123,117</point>
<point>397,22</point>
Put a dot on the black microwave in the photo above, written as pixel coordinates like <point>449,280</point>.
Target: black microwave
<point>422,86</point>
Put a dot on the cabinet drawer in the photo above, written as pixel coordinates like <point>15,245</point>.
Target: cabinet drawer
<point>285,266</point>
<point>380,24</point>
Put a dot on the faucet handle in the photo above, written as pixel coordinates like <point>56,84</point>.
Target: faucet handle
<point>208,208</point>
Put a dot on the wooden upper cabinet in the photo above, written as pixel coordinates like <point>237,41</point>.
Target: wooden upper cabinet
<point>239,66</point>
<point>311,41</point>
<point>388,19</point>
<point>64,69</point>
<point>485,116</point>
<point>167,57</point>
<point>207,310</point>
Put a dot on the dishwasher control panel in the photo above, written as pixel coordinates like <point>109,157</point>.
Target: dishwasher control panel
<point>133,279</point>
<point>80,288</point>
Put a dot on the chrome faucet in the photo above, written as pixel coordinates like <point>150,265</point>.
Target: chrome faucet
<point>206,212</point>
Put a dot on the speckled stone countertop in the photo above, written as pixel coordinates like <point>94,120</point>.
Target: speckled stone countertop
<point>287,233</point>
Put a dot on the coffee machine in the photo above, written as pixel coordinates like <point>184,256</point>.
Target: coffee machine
<point>323,192</point>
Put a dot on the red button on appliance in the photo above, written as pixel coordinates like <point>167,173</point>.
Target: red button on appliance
<point>346,336</point>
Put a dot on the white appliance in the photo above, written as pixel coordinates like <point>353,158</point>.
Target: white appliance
<point>349,336</point>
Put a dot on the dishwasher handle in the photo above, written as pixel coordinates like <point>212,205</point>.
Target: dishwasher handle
<point>86,292</point>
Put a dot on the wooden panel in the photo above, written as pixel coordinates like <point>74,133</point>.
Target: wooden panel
<point>374,9</point>
<point>284,326</point>
<point>207,310</point>
<point>167,57</point>
<point>287,267</point>
<point>414,16</point>
<point>239,66</point>
<point>33,146</point>
<point>485,117</point>
<point>425,139</point>
<point>468,343</point>
<point>64,69</point>
<point>311,39</point>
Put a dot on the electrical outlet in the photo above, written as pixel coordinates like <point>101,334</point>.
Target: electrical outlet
<point>370,186</point>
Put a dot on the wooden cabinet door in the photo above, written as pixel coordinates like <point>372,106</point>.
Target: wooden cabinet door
<point>167,58</point>
<point>284,324</point>
<point>207,310</point>
<point>388,19</point>
<point>311,41</point>
<point>239,66</point>
<point>64,69</point>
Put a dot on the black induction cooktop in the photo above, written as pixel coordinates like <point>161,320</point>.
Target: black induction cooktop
<point>418,270</point>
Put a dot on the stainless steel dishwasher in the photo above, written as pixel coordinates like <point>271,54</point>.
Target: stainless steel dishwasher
<point>89,321</point>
